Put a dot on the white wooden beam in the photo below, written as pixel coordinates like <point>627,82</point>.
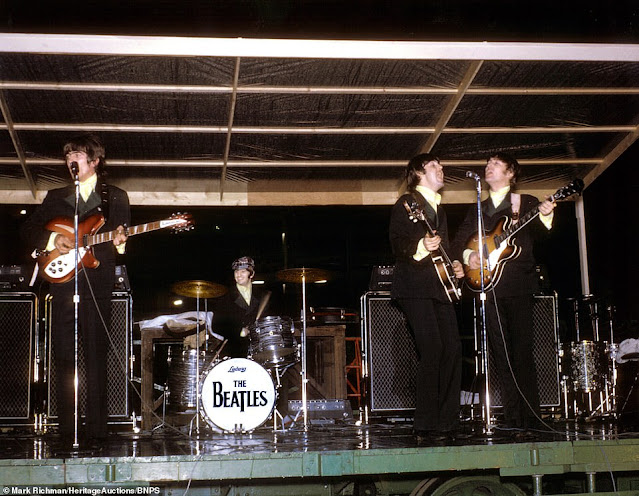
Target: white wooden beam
<point>159,46</point>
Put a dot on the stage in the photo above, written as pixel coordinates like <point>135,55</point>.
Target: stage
<point>357,438</point>
<point>330,457</point>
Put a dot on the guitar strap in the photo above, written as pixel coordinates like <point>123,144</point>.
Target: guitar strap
<point>426,207</point>
<point>515,202</point>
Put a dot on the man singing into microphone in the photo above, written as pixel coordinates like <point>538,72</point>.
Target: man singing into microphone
<point>85,159</point>
<point>509,305</point>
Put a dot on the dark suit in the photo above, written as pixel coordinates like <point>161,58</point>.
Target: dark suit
<point>431,317</point>
<point>231,313</point>
<point>511,305</point>
<point>60,203</point>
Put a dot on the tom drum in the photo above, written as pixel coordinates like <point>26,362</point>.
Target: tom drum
<point>587,365</point>
<point>272,342</point>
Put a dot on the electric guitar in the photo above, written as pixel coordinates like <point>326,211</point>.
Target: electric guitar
<point>56,267</point>
<point>443,264</point>
<point>499,246</point>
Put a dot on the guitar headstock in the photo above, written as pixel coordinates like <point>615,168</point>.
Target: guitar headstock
<point>179,222</point>
<point>574,188</point>
<point>414,212</point>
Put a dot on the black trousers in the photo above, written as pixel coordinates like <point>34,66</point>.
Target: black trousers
<point>94,345</point>
<point>434,327</point>
<point>509,325</point>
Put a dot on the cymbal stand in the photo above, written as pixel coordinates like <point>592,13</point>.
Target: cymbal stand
<point>304,362</point>
<point>612,353</point>
<point>278,385</point>
<point>197,364</point>
<point>575,310</point>
<point>486,415</point>
<point>279,373</point>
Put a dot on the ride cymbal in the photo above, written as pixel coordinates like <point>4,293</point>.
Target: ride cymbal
<point>198,289</point>
<point>303,274</point>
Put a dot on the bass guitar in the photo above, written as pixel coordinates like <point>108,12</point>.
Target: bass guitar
<point>499,244</point>
<point>56,267</point>
<point>443,264</point>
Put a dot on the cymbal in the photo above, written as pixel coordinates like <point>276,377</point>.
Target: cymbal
<point>303,274</point>
<point>198,289</point>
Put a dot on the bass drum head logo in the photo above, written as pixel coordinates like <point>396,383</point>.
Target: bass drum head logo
<point>238,395</point>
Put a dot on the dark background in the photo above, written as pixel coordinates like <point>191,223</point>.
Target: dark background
<point>450,20</point>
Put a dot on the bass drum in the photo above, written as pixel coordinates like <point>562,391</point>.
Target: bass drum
<point>238,395</point>
<point>182,377</point>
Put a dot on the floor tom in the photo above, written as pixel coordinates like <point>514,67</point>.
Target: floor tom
<point>182,378</point>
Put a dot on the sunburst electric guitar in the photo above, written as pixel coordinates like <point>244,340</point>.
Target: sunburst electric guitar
<point>56,267</point>
<point>443,264</point>
<point>499,244</point>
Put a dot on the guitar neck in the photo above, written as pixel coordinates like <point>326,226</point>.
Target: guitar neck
<point>104,237</point>
<point>523,221</point>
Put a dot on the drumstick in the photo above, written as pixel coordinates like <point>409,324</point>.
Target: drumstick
<point>244,332</point>
<point>219,350</point>
<point>263,304</point>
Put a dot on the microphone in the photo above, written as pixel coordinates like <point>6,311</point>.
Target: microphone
<point>472,174</point>
<point>75,168</point>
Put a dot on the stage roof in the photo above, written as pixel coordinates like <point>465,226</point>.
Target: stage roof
<point>275,122</point>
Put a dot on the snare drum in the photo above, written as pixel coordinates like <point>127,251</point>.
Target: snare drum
<point>238,395</point>
<point>182,375</point>
<point>586,365</point>
<point>272,342</point>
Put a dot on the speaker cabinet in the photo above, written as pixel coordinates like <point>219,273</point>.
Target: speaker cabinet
<point>118,361</point>
<point>546,355</point>
<point>390,357</point>
<point>18,323</point>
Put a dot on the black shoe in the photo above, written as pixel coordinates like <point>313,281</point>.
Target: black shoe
<point>523,436</point>
<point>430,437</point>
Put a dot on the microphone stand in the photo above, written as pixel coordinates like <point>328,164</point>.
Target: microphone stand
<point>482,299</point>
<point>76,302</point>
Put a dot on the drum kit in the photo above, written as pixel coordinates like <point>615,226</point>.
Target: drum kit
<point>588,363</point>
<point>238,395</point>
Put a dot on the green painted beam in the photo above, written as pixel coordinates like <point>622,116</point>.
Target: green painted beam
<point>506,459</point>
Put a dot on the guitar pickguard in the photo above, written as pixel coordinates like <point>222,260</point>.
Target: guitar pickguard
<point>61,266</point>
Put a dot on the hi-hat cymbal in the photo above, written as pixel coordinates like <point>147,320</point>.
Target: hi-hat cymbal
<point>303,274</point>
<point>198,289</point>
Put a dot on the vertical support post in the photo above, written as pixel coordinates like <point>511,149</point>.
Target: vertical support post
<point>583,250</point>
<point>590,482</point>
<point>536,479</point>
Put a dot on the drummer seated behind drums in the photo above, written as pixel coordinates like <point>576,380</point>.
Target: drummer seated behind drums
<point>238,308</point>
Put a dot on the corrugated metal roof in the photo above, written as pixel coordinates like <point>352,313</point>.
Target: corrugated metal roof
<point>213,121</point>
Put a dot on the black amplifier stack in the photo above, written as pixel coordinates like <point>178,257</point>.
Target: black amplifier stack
<point>28,380</point>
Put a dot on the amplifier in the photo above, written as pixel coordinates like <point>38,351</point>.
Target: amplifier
<point>390,357</point>
<point>19,352</point>
<point>545,353</point>
<point>381,278</point>
<point>119,358</point>
<point>14,277</point>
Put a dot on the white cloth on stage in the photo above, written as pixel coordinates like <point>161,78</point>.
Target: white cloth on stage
<point>628,351</point>
<point>185,319</point>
